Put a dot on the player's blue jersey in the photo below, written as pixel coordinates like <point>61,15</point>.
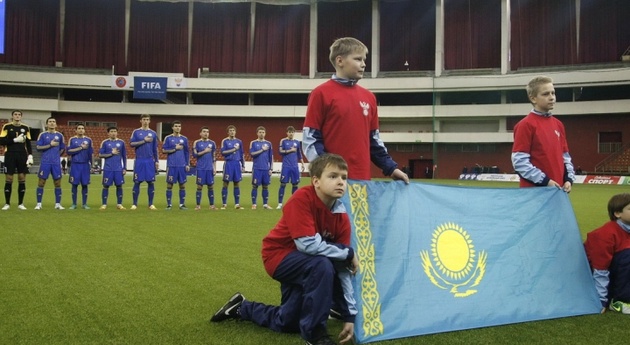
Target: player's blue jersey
<point>205,161</point>
<point>146,150</point>
<point>81,156</point>
<point>51,155</point>
<point>116,162</point>
<point>229,144</point>
<point>290,159</point>
<point>179,158</point>
<point>264,159</point>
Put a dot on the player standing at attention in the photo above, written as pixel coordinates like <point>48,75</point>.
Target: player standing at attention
<point>18,156</point>
<point>177,164</point>
<point>232,151</point>
<point>341,116</point>
<point>115,167</point>
<point>540,153</point>
<point>203,150</point>
<point>80,151</point>
<point>291,152</point>
<point>52,146</point>
<point>262,155</point>
<point>145,141</point>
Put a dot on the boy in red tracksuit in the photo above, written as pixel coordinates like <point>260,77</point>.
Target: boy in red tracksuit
<point>308,252</point>
<point>608,252</point>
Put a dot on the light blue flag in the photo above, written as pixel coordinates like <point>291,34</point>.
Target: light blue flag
<point>442,258</point>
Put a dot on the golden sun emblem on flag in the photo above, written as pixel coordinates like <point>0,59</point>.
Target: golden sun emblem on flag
<point>453,261</point>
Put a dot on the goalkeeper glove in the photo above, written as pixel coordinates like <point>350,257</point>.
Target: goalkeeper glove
<point>19,139</point>
<point>29,160</point>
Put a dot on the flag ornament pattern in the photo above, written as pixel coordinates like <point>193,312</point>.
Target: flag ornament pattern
<point>370,298</point>
<point>453,253</point>
<point>445,258</point>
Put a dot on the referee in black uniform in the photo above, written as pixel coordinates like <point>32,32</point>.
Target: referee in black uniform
<point>16,137</point>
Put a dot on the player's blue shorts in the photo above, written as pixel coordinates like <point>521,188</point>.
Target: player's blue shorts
<point>46,170</point>
<point>205,177</point>
<point>260,177</point>
<point>290,174</point>
<point>79,174</point>
<point>144,170</point>
<point>232,171</point>
<point>113,177</point>
<point>175,175</point>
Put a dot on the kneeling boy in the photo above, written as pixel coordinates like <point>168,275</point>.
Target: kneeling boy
<point>308,252</point>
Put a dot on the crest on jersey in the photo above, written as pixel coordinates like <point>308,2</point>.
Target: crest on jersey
<point>366,108</point>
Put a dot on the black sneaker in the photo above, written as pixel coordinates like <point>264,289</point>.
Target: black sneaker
<point>230,310</point>
<point>325,340</point>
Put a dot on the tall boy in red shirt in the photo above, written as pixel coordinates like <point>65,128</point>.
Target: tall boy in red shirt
<point>342,118</point>
<point>540,154</point>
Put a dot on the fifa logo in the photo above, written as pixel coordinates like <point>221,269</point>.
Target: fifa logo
<point>452,261</point>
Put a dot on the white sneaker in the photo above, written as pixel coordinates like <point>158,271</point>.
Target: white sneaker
<point>22,207</point>
<point>59,207</point>
<point>279,207</point>
<point>133,207</point>
<point>267,207</point>
<point>6,207</point>
<point>38,206</point>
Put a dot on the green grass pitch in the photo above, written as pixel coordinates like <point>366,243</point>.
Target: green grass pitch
<point>155,277</point>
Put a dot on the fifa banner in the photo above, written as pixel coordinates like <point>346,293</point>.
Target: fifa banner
<point>443,258</point>
<point>149,87</point>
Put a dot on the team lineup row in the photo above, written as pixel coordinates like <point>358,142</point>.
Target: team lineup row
<point>16,138</point>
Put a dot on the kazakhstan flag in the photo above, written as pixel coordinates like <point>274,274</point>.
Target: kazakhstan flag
<point>442,258</point>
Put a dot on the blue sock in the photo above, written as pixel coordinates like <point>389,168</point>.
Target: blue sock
<point>182,196</point>
<point>40,194</point>
<point>58,195</point>
<point>104,196</point>
<point>119,194</point>
<point>237,195</point>
<point>169,196</point>
<point>151,192</point>
<point>75,188</point>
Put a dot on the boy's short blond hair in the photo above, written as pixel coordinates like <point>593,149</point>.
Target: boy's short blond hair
<point>535,83</point>
<point>345,46</point>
